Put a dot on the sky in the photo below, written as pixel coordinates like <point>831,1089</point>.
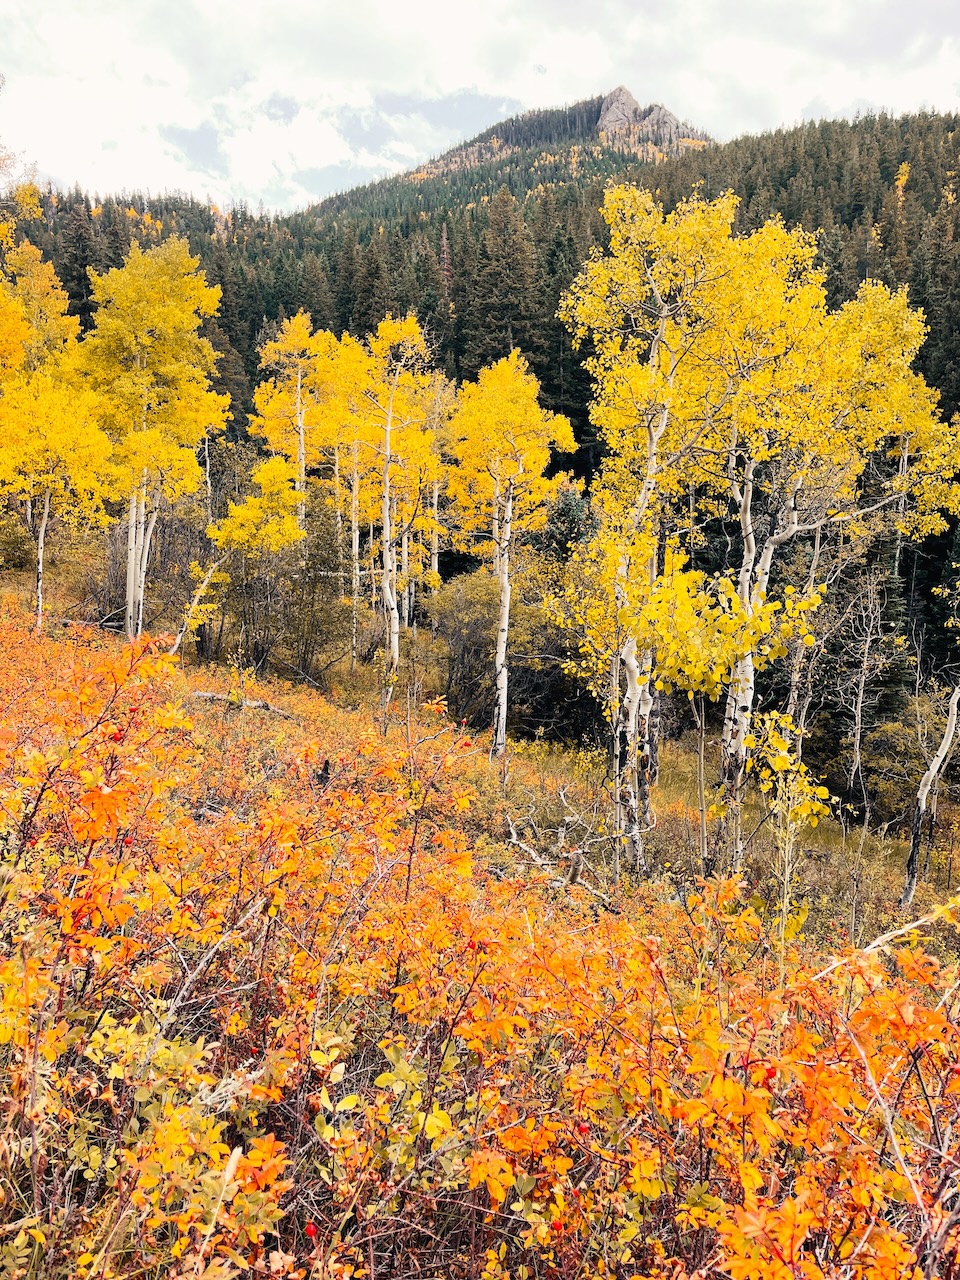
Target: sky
<point>282,104</point>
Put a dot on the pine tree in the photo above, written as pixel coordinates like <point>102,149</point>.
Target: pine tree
<point>504,308</point>
<point>78,256</point>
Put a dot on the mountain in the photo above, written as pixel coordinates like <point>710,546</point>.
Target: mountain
<point>883,191</point>
<point>590,141</point>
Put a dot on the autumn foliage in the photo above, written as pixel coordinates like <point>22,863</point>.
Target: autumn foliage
<point>264,1010</point>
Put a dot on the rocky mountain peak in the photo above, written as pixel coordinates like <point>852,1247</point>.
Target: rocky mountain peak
<point>619,111</point>
<point>622,118</point>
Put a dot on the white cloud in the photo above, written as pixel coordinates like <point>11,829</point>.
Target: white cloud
<point>236,100</point>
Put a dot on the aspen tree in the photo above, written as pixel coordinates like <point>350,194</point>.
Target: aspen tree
<point>290,402</point>
<point>501,440</point>
<point>398,353</point>
<point>263,522</point>
<point>726,390</point>
<point>151,371</point>
<point>54,455</point>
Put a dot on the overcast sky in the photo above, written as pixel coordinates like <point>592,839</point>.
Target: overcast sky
<point>286,102</point>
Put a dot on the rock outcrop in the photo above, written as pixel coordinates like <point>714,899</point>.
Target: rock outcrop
<point>622,119</point>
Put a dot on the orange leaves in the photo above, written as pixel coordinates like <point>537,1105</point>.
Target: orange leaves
<point>236,1002</point>
<point>494,1171</point>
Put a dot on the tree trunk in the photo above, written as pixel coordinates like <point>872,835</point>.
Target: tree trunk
<point>301,456</point>
<point>733,766</point>
<point>502,560</point>
<point>856,784</point>
<point>140,527</point>
<point>388,576</point>
<point>354,558</point>
<point>634,777</point>
<point>197,597</point>
<point>338,519</point>
<point>405,574</point>
<point>41,539</point>
<point>923,795</point>
<point>616,763</point>
<point>133,559</point>
<point>148,523</point>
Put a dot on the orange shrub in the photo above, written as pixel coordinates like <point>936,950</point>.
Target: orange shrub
<point>263,1010</point>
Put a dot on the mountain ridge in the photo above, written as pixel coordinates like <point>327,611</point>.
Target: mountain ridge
<point>592,138</point>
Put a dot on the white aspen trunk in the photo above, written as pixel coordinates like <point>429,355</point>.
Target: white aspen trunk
<point>206,477</point>
<point>354,557</point>
<point>752,585</point>
<point>796,709</point>
<point>41,539</point>
<point>133,560</point>
<point>630,734</point>
<point>388,576</point>
<point>435,551</point>
<point>405,572</point>
<point>923,794</point>
<point>632,798</point>
<point>146,524</point>
<point>141,567</point>
<point>373,567</point>
<point>188,613</point>
<point>701,704</point>
<point>856,760</point>
<point>501,670</point>
<point>301,456</point>
<point>742,690</point>
<point>435,535</point>
<point>338,517</point>
<point>616,763</point>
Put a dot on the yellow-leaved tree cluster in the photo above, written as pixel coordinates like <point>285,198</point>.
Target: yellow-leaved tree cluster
<point>116,427</point>
<point>729,398</point>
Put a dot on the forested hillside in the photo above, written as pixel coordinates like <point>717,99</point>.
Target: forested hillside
<point>453,250</point>
<point>518,853</point>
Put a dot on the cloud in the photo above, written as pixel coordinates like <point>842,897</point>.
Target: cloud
<point>284,105</point>
<point>200,148</point>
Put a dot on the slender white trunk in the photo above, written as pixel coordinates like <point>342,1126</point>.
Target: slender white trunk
<point>133,560</point>
<point>616,763</point>
<point>503,528</point>
<point>301,455</point>
<point>140,527</point>
<point>148,523</point>
<point>742,690</point>
<point>630,735</point>
<point>855,779</point>
<point>388,576</point>
<point>354,556</point>
<point>405,574</point>
<point>923,795</point>
<point>373,567</point>
<point>338,516</point>
<point>41,539</point>
<point>435,533</point>
<point>206,477</point>
<point>191,607</point>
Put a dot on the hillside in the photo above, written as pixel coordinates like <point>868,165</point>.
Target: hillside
<point>460,870</point>
<point>587,142</point>
<point>273,1004</point>
<point>420,244</point>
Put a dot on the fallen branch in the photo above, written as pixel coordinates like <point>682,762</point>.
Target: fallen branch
<point>244,703</point>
